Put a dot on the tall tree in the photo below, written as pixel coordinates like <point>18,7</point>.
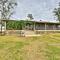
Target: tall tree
<point>6,9</point>
<point>30,16</point>
<point>57,12</point>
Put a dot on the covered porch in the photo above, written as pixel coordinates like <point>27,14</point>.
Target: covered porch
<point>32,25</point>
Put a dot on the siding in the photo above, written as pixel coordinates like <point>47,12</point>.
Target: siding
<point>40,27</point>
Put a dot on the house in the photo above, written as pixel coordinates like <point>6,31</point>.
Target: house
<point>36,26</point>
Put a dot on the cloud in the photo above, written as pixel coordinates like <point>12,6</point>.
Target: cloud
<point>41,9</point>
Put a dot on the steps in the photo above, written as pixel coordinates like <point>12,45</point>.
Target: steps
<point>30,33</point>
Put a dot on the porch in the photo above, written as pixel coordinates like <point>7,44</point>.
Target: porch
<point>32,28</point>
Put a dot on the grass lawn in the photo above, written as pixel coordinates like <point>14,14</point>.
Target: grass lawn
<point>45,47</point>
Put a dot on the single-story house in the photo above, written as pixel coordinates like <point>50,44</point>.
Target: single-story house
<point>34,26</point>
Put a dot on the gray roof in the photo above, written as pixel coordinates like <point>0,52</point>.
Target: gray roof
<point>35,21</point>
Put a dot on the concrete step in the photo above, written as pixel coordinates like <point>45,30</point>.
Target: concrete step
<point>26,32</point>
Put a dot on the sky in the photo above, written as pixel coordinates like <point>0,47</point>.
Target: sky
<point>40,9</point>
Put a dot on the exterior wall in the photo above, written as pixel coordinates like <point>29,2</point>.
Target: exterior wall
<point>40,27</point>
<point>43,26</point>
<point>57,27</point>
<point>50,27</point>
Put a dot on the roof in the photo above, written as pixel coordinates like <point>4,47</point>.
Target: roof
<point>35,21</point>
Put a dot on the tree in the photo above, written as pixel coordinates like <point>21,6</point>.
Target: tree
<point>30,16</point>
<point>6,9</point>
<point>57,12</point>
<point>15,25</point>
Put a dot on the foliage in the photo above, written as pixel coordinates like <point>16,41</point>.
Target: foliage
<point>15,25</point>
<point>30,16</point>
<point>6,8</point>
<point>57,12</point>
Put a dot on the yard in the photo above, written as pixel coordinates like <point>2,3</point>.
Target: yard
<point>45,47</point>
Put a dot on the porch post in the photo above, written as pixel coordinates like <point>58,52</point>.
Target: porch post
<point>54,28</point>
<point>34,26</point>
<point>45,27</point>
<point>5,25</point>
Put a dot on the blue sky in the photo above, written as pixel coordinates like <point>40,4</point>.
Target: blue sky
<point>40,9</point>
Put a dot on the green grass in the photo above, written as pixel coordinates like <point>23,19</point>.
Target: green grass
<point>45,47</point>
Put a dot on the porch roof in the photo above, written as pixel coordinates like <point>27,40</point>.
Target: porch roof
<point>35,21</point>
